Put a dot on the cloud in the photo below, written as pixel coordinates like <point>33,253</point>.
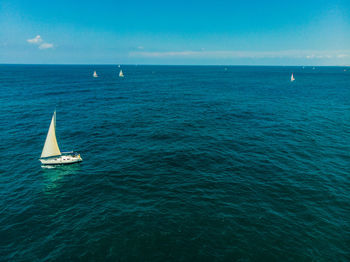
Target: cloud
<point>45,46</point>
<point>39,42</point>
<point>140,47</point>
<point>342,55</point>
<point>293,54</point>
<point>35,40</point>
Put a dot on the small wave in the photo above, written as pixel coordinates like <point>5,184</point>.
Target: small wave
<point>48,167</point>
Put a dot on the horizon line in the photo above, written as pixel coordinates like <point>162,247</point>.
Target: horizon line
<point>135,64</point>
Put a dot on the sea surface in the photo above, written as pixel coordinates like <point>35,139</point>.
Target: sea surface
<point>181,163</point>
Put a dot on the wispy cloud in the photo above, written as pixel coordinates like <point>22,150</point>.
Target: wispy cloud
<point>35,40</point>
<point>343,55</point>
<point>140,47</point>
<point>39,42</point>
<point>45,46</point>
<point>309,54</point>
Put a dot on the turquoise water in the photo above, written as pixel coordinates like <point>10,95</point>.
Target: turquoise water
<point>180,164</point>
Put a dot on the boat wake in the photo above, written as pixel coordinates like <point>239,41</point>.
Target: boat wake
<point>48,167</point>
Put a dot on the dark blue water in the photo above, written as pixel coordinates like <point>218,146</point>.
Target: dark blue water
<point>180,164</point>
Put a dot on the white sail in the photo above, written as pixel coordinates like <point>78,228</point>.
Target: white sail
<point>95,74</point>
<point>121,73</point>
<point>51,147</point>
<point>292,78</point>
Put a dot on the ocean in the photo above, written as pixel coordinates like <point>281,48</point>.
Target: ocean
<point>181,163</point>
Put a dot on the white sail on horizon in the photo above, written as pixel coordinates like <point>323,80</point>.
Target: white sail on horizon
<point>121,73</point>
<point>95,74</point>
<point>292,78</point>
<point>51,147</point>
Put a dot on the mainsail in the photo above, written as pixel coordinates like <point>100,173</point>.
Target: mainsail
<point>121,73</point>
<point>292,78</point>
<point>51,146</point>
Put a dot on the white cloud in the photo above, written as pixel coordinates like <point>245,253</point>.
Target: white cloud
<point>35,40</point>
<point>342,55</point>
<point>140,47</point>
<point>39,42</point>
<point>45,46</point>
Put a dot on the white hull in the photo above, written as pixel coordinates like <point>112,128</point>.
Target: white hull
<point>61,160</point>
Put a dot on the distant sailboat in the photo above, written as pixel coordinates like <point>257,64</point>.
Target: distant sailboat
<point>292,79</point>
<point>121,73</point>
<point>95,74</point>
<point>51,154</point>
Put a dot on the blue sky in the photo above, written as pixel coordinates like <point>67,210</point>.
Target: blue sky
<point>308,32</point>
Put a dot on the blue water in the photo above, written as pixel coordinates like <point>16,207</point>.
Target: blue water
<point>180,164</point>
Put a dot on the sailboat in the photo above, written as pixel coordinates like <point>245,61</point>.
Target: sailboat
<point>51,154</point>
<point>292,78</point>
<point>95,74</point>
<point>121,73</point>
